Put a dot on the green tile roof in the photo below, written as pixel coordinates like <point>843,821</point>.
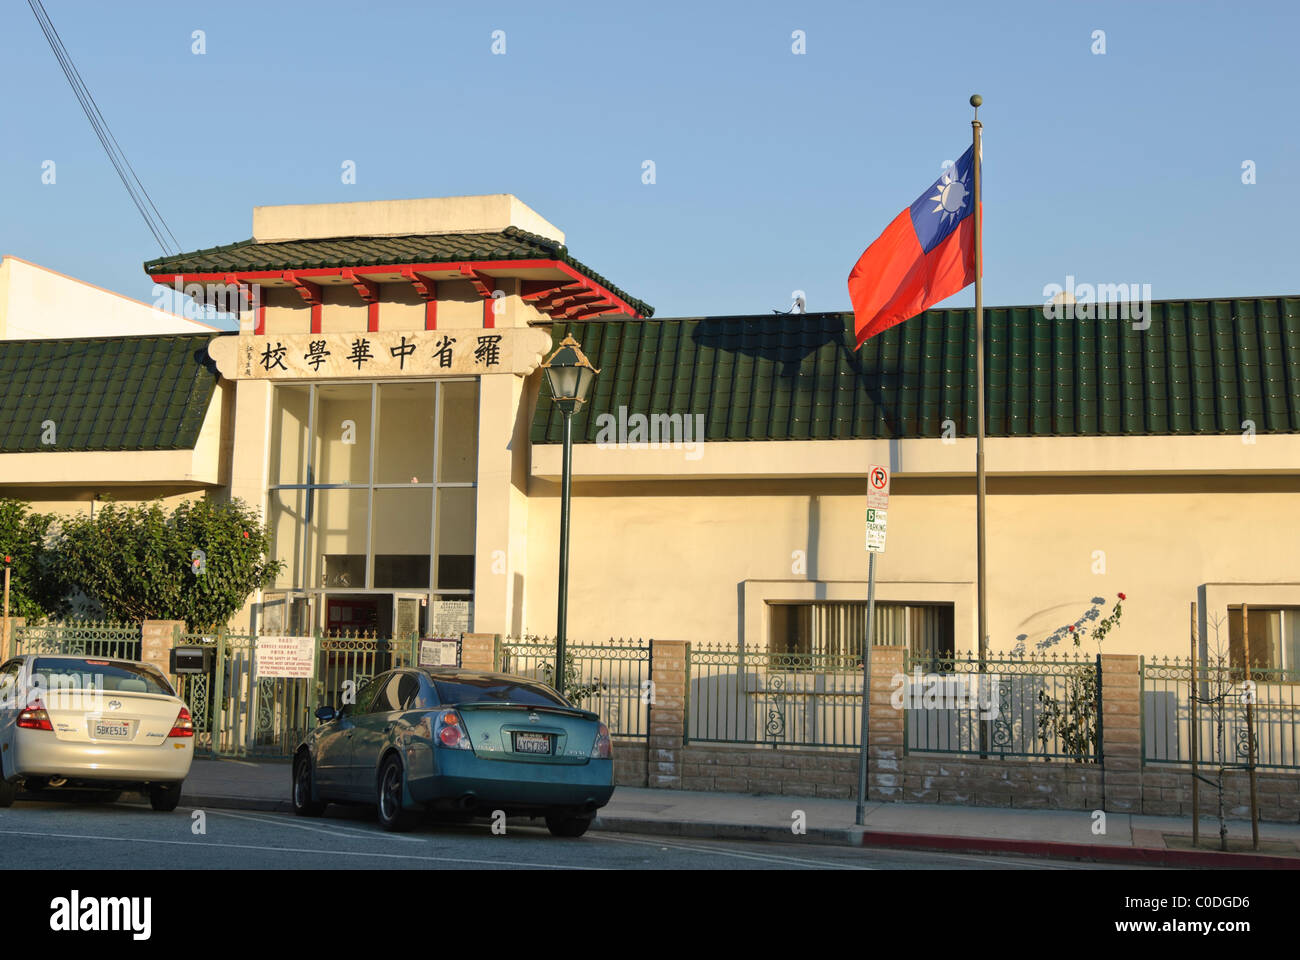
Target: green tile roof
<point>510,244</point>
<point>105,393</point>
<point>1202,367</point>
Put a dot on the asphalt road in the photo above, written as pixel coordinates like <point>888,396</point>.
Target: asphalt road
<point>67,835</point>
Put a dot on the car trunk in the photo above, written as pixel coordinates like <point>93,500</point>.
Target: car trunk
<point>96,716</point>
<point>527,733</point>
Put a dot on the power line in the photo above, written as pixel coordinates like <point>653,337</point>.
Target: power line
<point>116,156</point>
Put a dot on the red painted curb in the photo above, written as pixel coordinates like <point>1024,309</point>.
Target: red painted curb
<point>1151,856</point>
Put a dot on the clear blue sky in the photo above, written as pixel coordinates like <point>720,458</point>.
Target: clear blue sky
<point>774,170</point>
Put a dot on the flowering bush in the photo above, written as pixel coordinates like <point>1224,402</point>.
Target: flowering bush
<point>1073,720</point>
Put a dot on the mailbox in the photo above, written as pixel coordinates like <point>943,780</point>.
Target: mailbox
<point>191,660</point>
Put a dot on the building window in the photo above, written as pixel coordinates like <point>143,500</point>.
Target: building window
<point>838,628</point>
<point>1274,641</point>
<point>372,502</point>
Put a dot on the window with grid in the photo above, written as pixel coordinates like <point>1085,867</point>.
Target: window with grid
<point>838,627</point>
<point>1274,640</point>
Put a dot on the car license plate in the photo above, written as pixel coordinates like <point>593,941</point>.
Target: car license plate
<point>533,743</point>
<point>112,730</point>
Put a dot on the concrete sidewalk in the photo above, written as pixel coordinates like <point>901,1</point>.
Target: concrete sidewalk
<point>1058,834</point>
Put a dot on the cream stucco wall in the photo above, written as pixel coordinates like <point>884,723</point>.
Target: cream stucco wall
<point>38,303</point>
<point>697,560</point>
<point>388,218</point>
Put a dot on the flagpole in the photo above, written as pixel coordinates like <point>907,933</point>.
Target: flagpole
<point>980,518</point>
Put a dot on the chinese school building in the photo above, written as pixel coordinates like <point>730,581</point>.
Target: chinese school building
<point>382,403</point>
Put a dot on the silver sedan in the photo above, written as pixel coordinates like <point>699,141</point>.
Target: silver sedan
<point>101,724</point>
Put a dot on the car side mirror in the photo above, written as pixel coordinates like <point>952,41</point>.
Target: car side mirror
<point>326,714</point>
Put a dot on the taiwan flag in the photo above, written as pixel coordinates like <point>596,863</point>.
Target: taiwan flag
<point>925,255</point>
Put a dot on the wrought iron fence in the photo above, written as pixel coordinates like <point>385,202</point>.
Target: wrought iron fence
<point>611,679</point>
<point>1035,706</point>
<point>1221,733</point>
<point>773,699</point>
<point>89,638</point>
<point>236,711</point>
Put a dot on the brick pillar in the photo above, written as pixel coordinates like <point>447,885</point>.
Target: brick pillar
<point>9,633</point>
<point>157,637</point>
<point>1121,734</point>
<point>667,714</point>
<point>478,651</point>
<point>885,736</point>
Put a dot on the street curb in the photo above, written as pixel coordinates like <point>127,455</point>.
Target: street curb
<point>1137,856</point>
<point>706,830</point>
<point>236,803</point>
<point>857,837</point>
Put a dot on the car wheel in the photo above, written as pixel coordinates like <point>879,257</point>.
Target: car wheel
<point>392,815</point>
<point>8,791</point>
<point>303,804</point>
<point>568,826</point>
<point>164,797</point>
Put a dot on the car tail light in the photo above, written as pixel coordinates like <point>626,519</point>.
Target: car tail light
<point>450,731</point>
<point>602,749</point>
<point>184,726</point>
<point>35,717</point>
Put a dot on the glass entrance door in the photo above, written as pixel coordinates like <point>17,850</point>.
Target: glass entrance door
<point>410,615</point>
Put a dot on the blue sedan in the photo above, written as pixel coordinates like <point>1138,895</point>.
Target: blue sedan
<point>457,741</point>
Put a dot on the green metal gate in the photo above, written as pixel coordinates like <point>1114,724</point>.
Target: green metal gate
<point>240,714</point>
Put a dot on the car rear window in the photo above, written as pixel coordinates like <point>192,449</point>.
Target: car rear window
<point>481,689</point>
<point>91,674</point>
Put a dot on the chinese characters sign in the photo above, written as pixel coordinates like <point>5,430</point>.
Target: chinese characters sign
<point>285,657</point>
<point>302,356</point>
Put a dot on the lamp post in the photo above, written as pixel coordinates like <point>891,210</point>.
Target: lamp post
<point>569,374</point>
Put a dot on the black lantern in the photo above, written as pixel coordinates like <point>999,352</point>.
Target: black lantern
<point>569,374</point>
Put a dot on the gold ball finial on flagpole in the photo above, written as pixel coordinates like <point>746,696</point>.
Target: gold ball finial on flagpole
<point>976,100</point>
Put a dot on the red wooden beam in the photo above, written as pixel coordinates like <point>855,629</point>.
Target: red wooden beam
<point>573,299</point>
<point>252,292</point>
<point>311,295</point>
<point>471,270</point>
<point>604,310</point>
<point>533,290</point>
<point>369,291</point>
<point>428,291</point>
<point>583,311</point>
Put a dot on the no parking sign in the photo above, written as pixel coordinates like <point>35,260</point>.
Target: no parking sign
<point>877,507</point>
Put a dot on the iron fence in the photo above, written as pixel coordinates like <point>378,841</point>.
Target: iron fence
<point>1033,706</point>
<point>1221,732</point>
<point>236,710</point>
<point>88,638</point>
<point>773,699</point>
<point>611,679</point>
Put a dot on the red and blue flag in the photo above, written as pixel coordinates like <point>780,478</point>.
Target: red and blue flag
<point>925,255</point>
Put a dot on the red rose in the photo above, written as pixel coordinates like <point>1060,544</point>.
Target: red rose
<point>1122,597</point>
<point>245,534</point>
<point>8,559</point>
<point>1072,629</point>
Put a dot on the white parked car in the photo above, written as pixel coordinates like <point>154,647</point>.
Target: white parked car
<point>100,724</point>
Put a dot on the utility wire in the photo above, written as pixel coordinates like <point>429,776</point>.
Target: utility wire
<point>117,157</point>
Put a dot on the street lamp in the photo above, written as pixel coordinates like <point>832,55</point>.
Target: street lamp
<point>569,374</point>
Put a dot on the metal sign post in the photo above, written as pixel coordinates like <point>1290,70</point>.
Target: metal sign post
<point>877,517</point>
